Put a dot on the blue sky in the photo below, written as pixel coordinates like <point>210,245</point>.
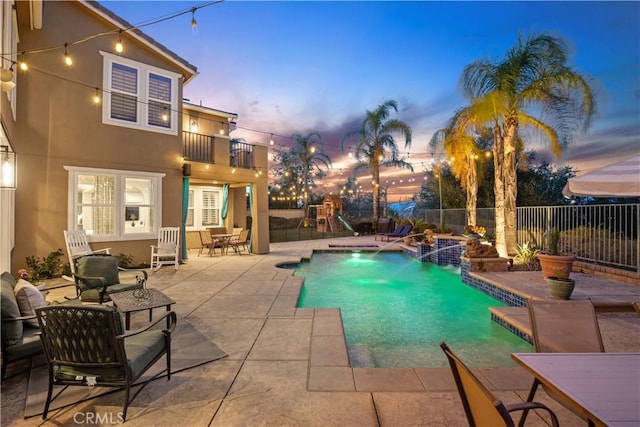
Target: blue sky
<point>307,66</point>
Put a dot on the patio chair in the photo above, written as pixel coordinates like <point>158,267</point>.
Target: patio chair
<point>400,231</point>
<point>480,405</point>
<point>166,252</point>
<point>78,246</point>
<point>240,241</point>
<point>98,276</point>
<point>87,345</point>
<point>206,242</point>
<point>562,327</point>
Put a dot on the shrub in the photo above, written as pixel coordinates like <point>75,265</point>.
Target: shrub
<point>44,268</point>
<point>526,254</point>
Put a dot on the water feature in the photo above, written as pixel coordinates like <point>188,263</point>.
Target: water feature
<point>396,310</point>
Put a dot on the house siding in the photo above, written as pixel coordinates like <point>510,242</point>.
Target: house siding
<point>57,125</point>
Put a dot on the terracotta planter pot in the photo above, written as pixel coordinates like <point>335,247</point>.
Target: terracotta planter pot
<point>560,288</point>
<point>556,265</point>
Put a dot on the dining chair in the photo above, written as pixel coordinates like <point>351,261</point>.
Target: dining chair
<point>562,327</point>
<point>240,242</point>
<point>481,407</point>
<point>206,242</point>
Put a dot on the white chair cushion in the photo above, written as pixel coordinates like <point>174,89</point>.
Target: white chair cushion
<point>29,298</point>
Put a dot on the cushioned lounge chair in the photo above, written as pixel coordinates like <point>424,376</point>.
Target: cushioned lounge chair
<point>480,405</point>
<point>400,231</point>
<point>87,345</point>
<point>562,327</point>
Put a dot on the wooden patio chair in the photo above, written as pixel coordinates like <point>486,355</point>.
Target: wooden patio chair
<point>562,327</point>
<point>99,276</point>
<point>481,407</point>
<point>88,346</point>
<point>78,246</point>
<point>166,251</point>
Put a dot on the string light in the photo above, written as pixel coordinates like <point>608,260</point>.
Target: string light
<point>271,140</point>
<point>96,97</point>
<point>119,47</point>
<point>165,115</point>
<point>67,58</point>
<point>23,64</point>
<point>194,23</point>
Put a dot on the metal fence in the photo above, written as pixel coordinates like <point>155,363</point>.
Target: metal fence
<point>602,234</point>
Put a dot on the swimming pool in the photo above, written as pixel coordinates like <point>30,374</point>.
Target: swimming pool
<point>396,310</point>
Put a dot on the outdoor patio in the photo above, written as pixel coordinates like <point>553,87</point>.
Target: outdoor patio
<point>289,366</point>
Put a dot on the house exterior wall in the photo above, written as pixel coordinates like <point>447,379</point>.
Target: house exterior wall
<point>57,125</point>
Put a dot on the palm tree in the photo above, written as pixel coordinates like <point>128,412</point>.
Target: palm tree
<point>376,146</point>
<point>460,140</point>
<point>534,77</point>
<point>311,157</point>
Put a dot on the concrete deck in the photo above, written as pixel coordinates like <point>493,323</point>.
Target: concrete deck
<point>289,366</point>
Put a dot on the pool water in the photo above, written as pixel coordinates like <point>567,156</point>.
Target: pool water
<point>396,310</point>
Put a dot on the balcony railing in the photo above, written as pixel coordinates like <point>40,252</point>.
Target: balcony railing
<point>241,155</point>
<point>197,147</point>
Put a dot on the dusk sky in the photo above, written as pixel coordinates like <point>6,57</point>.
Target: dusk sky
<point>307,66</point>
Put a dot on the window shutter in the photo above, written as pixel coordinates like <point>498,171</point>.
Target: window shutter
<point>124,90</point>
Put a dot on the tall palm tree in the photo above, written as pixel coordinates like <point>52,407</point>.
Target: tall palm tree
<point>460,142</point>
<point>311,157</point>
<point>533,78</point>
<point>376,145</point>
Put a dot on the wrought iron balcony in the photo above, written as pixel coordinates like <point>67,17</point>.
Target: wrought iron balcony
<point>197,147</point>
<point>241,155</point>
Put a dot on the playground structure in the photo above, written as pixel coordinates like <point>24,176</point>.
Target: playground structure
<point>329,215</point>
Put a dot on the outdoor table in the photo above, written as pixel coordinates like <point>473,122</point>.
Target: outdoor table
<point>224,242</point>
<point>606,386</point>
<point>132,301</point>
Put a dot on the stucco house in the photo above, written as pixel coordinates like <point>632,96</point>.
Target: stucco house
<point>107,144</point>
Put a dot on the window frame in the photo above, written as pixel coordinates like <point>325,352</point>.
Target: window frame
<point>119,202</point>
<point>198,207</point>
<point>143,98</point>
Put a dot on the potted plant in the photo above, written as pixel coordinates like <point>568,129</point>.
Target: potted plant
<point>553,263</point>
<point>560,287</point>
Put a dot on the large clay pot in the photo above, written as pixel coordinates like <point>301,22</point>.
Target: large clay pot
<point>556,265</point>
<point>560,288</point>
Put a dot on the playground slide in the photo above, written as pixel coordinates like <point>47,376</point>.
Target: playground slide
<point>344,222</point>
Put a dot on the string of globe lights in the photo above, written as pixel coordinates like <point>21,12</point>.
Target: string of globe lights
<point>97,93</point>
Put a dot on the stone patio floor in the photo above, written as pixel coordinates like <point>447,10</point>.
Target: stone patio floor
<point>289,366</point>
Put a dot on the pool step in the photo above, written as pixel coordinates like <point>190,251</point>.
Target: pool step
<point>515,319</point>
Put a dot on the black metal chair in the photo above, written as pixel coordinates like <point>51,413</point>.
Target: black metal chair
<point>87,345</point>
<point>99,275</point>
<point>480,405</point>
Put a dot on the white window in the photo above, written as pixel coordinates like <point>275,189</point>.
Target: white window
<point>114,204</point>
<point>205,204</point>
<point>139,96</point>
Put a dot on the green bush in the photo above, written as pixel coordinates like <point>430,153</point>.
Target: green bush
<point>44,268</point>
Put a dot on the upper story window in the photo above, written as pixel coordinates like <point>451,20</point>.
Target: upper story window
<point>139,96</point>
<point>113,204</point>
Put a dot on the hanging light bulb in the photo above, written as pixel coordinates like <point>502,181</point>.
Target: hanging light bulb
<point>96,97</point>
<point>350,152</point>
<point>119,47</point>
<point>194,23</point>
<point>271,140</point>
<point>165,115</point>
<point>23,64</point>
<point>221,128</point>
<point>67,58</point>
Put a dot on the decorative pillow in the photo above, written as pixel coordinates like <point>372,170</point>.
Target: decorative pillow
<point>29,298</point>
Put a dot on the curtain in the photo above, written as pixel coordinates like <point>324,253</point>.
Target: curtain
<point>225,201</point>
<point>185,212</point>
<point>252,222</point>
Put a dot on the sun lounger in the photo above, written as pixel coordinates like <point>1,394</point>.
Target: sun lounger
<point>400,231</point>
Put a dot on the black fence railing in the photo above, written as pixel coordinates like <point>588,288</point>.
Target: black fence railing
<point>197,147</point>
<point>241,155</point>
